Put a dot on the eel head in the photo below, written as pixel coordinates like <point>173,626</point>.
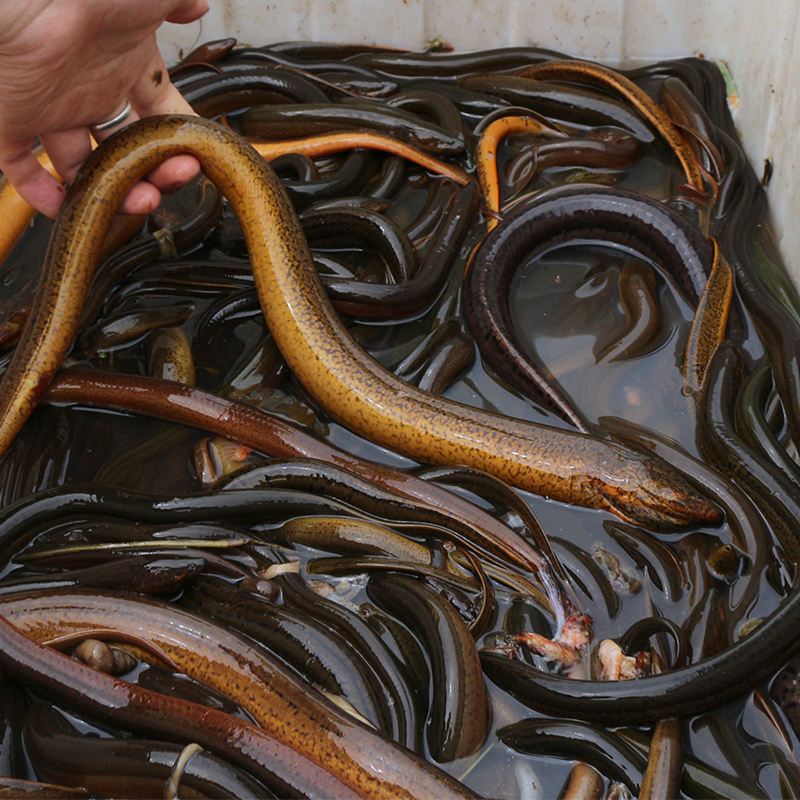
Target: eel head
<point>655,496</point>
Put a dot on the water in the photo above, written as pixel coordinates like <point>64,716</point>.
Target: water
<point>566,309</point>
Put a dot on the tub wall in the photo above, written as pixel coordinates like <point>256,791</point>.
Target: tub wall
<point>757,40</point>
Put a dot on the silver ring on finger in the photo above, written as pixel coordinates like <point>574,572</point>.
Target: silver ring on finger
<point>117,119</point>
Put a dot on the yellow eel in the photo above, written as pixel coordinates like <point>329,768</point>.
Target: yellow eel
<point>346,381</point>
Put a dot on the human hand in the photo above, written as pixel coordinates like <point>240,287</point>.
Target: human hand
<point>65,64</point>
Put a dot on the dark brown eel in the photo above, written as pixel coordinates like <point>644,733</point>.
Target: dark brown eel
<point>715,680</point>
<point>617,217</point>
<point>688,691</point>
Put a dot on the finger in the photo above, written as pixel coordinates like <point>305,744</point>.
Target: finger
<point>188,11</point>
<point>149,99</point>
<point>34,183</point>
<point>174,173</point>
<point>143,198</point>
<point>132,116</point>
<point>153,93</point>
<point>67,150</point>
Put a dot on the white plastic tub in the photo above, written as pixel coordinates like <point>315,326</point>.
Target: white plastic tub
<point>757,40</point>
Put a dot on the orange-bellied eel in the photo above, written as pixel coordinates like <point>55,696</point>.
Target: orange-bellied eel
<point>293,120</point>
<point>301,738</point>
<point>564,102</point>
<point>329,143</point>
<point>606,78</point>
<point>17,213</point>
<point>486,159</point>
<point>360,393</point>
<point>564,214</point>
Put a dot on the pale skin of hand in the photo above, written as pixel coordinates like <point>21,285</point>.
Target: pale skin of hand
<point>65,64</point>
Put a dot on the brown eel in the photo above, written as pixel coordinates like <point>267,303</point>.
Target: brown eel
<point>304,747</point>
